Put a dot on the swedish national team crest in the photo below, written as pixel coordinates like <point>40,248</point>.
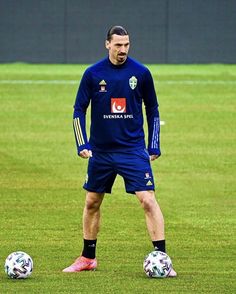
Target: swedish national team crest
<point>133,82</point>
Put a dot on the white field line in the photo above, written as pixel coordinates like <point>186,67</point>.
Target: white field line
<point>70,82</point>
<point>200,82</point>
<point>76,82</point>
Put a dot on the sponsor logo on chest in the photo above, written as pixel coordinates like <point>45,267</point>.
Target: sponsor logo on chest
<point>118,105</point>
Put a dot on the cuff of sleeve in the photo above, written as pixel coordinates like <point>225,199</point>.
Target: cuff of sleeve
<point>84,146</point>
<point>152,151</point>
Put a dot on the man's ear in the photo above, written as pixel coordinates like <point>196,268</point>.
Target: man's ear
<point>107,44</point>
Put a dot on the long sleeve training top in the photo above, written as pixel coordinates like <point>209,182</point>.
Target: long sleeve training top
<point>116,94</point>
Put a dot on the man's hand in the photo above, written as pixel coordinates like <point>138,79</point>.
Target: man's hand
<point>85,153</point>
<point>153,157</point>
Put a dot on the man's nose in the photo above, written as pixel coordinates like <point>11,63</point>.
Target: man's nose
<point>122,49</point>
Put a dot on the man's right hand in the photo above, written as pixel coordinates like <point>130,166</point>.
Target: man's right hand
<point>85,153</point>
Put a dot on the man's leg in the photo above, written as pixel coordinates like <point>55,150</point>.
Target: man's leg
<point>91,224</point>
<point>91,215</point>
<point>154,221</point>
<point>153,214</point>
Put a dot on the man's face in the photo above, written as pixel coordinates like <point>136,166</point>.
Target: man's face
<point>118,48</point>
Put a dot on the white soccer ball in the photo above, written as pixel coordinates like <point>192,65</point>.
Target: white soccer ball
<point>18,265</point>
<point>157,264</point>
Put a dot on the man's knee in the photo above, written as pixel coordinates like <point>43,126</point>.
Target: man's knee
<point>147,200</point>
<point>93,200</point>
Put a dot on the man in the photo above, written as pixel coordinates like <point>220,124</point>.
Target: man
<point>116,87</point>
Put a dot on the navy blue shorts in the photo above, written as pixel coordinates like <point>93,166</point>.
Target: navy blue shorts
<point>134,167</point>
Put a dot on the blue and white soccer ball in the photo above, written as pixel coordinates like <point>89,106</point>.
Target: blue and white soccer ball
<point>157,264</point>
<point>18,265</point>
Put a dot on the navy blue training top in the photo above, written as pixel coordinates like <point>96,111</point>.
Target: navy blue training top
<point>116,94</point>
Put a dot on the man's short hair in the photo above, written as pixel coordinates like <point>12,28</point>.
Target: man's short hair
<point>116,30</point>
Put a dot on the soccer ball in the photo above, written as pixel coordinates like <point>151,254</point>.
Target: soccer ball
<point>18,265</point>
<point>157,264</point>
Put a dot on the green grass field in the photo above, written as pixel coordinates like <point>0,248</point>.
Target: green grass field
<point>41,181</point>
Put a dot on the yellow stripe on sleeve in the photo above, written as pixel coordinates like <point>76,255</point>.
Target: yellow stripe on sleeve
<point>78,132</point>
